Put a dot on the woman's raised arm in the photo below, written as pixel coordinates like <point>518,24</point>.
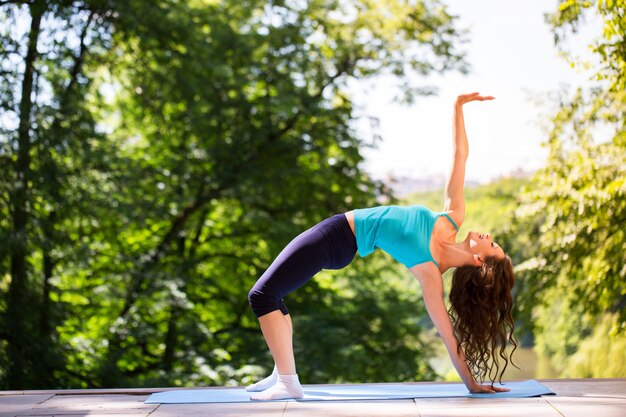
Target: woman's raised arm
<point>453,200</point>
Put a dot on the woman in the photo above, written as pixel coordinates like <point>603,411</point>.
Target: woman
<point>480,323</point>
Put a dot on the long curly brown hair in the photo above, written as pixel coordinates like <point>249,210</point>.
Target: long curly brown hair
<point>480,311</point>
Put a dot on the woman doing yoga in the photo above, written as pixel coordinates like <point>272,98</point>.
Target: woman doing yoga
<point>479,323</point>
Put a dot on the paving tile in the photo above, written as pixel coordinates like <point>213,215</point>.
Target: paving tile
<point>263,409</point>
<point>387,408</point>
<point>596,398</point>
<point>83,413</point>
<point>92,404</point>
<point>589,406</point>
<point>99,399</point>
<point>584,387</point>
<point>15,404</point>
<point>487,411</point>
<point>479,402</point>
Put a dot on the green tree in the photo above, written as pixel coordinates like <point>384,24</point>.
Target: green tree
<point>577,275</point>
<point>48,142</point>
<point>160,154</point>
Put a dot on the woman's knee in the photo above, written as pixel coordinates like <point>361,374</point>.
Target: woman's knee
<point>261,302</point>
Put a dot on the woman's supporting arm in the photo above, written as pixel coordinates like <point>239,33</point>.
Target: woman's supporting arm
<point>432,291</point>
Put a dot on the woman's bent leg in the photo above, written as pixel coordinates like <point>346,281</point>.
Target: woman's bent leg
<point>329,245</point>
<point>278,333</point>
<point>273,377</point>
<point>278,336</point>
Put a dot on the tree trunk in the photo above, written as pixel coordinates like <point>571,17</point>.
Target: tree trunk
<point>170,339</point>
<point>45,328</point>
<point>53,360</point>
<point>18,314</point>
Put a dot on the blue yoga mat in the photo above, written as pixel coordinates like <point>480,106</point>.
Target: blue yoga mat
<point>530,388</point>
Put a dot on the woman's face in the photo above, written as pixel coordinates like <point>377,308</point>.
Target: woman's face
<point>482,245</point>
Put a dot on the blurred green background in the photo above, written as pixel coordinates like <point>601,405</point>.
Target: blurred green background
<point>156,156</point>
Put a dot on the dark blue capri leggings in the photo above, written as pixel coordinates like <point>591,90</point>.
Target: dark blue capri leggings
<point>327,245</point>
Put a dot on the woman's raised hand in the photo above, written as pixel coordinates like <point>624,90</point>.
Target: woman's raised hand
<point>466,98</point>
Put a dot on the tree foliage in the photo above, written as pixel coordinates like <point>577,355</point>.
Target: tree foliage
<point>158,156</point>
<point>575,208</point>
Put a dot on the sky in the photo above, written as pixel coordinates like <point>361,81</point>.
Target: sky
<point>512,57</point>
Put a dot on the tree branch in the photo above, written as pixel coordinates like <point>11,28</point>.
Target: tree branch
<point>79,59</point>
<point>139,277</point>
<point>343,69</point>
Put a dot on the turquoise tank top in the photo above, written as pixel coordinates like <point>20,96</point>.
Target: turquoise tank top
<point>402,231</point>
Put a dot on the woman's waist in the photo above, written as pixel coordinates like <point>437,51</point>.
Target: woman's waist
<point>350,217</point>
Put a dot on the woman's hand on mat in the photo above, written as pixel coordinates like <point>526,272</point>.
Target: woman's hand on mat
<point>466,98</point>
<point>486,389</point>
